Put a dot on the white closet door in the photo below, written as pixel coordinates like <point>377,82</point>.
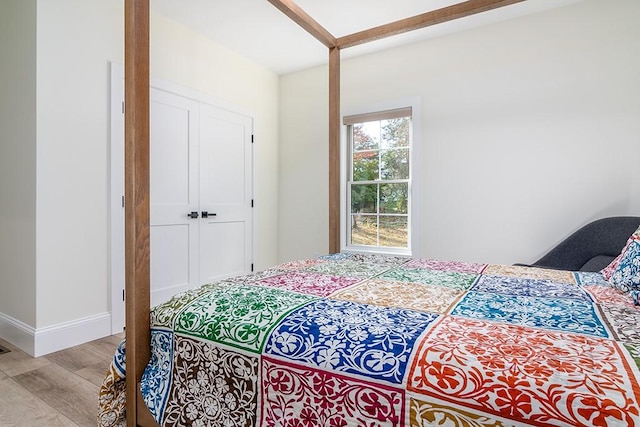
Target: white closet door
<point>173,194</point>
<point>225,193</point>
<point>185,252</point>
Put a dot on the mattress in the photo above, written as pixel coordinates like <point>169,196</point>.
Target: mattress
<point>366,340</point>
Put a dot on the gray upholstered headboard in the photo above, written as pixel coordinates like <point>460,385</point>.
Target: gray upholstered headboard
<point>593,246</point>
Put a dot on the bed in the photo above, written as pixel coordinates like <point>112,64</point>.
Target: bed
<point>367,340</point>
<point>417,368</point>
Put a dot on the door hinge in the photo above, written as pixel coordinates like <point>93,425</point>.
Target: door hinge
<point>122,107</point>
<point>251,202</point>
<point>252,139</point>
<point>123,295</point>
<point>123,201</point>
<point>252,267</point>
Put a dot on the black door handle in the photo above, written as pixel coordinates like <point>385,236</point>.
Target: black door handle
<point>193,214</point>
<point>206,214</point>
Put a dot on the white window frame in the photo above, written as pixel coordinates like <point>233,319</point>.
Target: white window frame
<point>415,160</point>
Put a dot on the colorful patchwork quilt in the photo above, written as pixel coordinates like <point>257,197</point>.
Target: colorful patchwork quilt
<point>364,340</point>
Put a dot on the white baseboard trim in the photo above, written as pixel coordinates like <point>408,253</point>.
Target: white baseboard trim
<point>38,342</point>
<point>17,333</point>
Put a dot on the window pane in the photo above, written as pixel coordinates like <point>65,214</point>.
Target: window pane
<point>378,179</point>
<point>366,136</point>
<point>365,166</point>
<point>394,197</point>
<point>394,164</point>
<point>364,230</point>
<point>395,132</point>
<point>364,198</point>
<point>393,231</point>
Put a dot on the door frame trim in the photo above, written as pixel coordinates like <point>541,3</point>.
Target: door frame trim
<point>116,178</point>
<point>116,199</point>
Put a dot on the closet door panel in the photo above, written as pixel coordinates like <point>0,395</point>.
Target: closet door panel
<point>222,260</point>
<point>225,193</point>
<point>173,194</point>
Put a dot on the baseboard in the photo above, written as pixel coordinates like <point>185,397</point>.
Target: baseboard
<point>38,342</point>
<point>17,333</point>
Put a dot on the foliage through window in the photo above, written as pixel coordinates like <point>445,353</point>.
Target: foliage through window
<point>378,180</point>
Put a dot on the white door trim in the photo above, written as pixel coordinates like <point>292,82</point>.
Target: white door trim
<point>116,179</point>
<point>116,199</point>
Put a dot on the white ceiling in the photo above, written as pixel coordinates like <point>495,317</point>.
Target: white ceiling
<point>258,31</point>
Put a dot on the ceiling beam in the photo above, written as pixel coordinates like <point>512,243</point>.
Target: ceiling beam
<point>438,16</point>
<point>300,17</point>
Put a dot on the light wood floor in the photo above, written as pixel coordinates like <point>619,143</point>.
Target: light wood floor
<point>59,389</point>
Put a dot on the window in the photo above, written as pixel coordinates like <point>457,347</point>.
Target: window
<point>378,178</point>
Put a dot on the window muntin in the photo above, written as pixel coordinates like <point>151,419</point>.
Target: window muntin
<point>378,187</point>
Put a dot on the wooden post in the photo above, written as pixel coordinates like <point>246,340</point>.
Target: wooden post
<point>334,150</point>
<point>137,270</point>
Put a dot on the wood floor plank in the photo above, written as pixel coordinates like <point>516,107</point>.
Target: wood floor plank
<point>19,408</point>
<point>17,362</point>
<point>95,374</point>
<point>80,357</point>
<point>106,346</point>
<point>59,390</point>
<point>91,360</point>
<point>69,394</point>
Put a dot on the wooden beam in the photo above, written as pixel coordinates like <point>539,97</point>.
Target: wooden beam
<point>334,150</point>
<point>136,128</point>
<point>303,19</point>
<point>438,16</point>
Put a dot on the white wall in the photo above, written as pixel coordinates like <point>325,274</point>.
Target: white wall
<point>76,41</point>
<point>17,162</point>
<point>528,128</point>
<point>303,173</point>
<point>54,165</point>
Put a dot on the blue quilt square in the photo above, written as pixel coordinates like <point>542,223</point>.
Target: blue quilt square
<point>368,340</point>
<point>568,315</point>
